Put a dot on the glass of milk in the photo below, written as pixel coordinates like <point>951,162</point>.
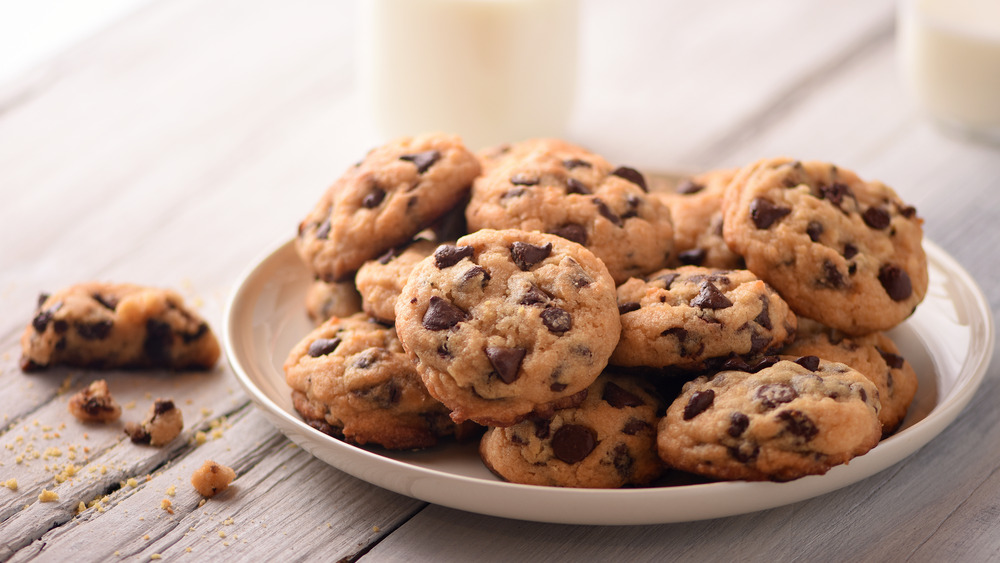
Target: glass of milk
<point>491,71</point>
<point>950,56</point>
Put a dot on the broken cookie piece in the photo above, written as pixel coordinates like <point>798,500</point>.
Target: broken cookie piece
<point>95,404</point>
<point>106,325</point>
<point>212,478</point>
<point>163,423</point>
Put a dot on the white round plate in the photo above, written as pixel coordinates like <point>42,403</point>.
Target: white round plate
<point>949,342</point>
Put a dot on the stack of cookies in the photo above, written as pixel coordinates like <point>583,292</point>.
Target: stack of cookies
<point>603,333</point>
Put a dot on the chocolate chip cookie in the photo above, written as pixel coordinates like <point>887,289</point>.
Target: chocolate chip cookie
<point>351,379</point>
<point>874,355</point>
<point>840,250</point>
<point>381,280</point>
<point>696,212</point>
<point>609,441</point>
<point>786,420</point>
<point>554,187</point>
<point>107,325</point>
<point>503,324</point>
<point>690,317</point>
<point>383,201</point>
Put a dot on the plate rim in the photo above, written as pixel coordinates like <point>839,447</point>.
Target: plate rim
<point>563,500</point>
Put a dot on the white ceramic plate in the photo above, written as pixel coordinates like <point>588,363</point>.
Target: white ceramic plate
<point>949,341</point>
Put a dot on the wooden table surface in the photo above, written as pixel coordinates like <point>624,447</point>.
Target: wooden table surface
<point>175,146</point>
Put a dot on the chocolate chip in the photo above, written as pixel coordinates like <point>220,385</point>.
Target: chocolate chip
<point>758,342</point>
<point>42,298</point>
<point>745,452</point>
<point>94,331</point>
<point>799,424</point>
<point>876,218</point>
<point>832,277</point>
<point>323,346</point>
<point>814,229</point>
<point>558,387</point>
<point>387,257</point>
<point>628,307</point>
<point>894,361</point>
<point>573,232</point>
<point>688,187</point>
<point>811,363</point>
<point>534,296</point>
<point>161,406</point>
<point>542,428</point>
<point>738,424</point>
<point>374,198</point>
<point>622,461</point>
<point>575,163</point>
<point>699,402</point>
<point>522,180</point>
<point>632,175</point>
<point>763,318</point>
<point>850,251</point>
<point>771,395</point>
<point>635,425</point>
<point>666,279</point>
<point>422,160</point>
<point>475,272</point>
<point>633,203</point>
<point>693,257</point>
<point>158,341</point>
<point>680,332</point>
<point>324,230</point>
<point>895,281</point>
<point>60,325</point>
<point>764,213</point>
<point>506,362</point>
<point>442,315</point>
<point>619,398</point>
<point>41,321</point>
<point>606,212</point>
<point>709,297</point>
<point>907,211</point>
<point>367,358</point>
<point>557,320</point>
<point>574,186</point>
<point>736,363</point>
<point>572,443</point>
<point>764,363</point>
<point>109,302</point>
<point>835,193</point>
<point>526,255</point>
<point>516,192</point>
<point>448,255</point>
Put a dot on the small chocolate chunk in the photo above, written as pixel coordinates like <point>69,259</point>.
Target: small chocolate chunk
<point>666,279</point>
<point>526,255</point>
<point>42,298</point>
<point>41,321</point>
<point>709,297</point>
<point>324,230</point>
<point>811,363</point>
<point>576,163</point>
<point>448,255</point>
<point>510,194</point>
<point>745,452</point>
<point>692,257</point>
<point>814,229</point>
<point>895,281</point>
<point>387,257</point>
<point>323,346</point>
<point>876,218</point>
<point>764,213</point>
<point>773,394</point>
<point>558,387</point>
<point>108,302</point>
<point>635,425</point>
<point>158,342</point>
<point>619,398</point>
<point>573,232</point>
<point>367,358</point>
<point>506,362</point>
<point>628,307</point>
<point>799,424</point>
<point>835,193</point>
<point>894,361</point>
<point>523,180</point>
<point>763,318</point>
<point>699,402</point>
<point>632,175</point>
<point>94,331</point>
<point>607,213</point>
<point>689,187</point>
<point>832,277</point>
<point>907,211</point>
<point>442,314</point>
<point>557,320</point>
<point>572,443</point>
<point>680,332</point>
<point>763,363</point>
<point>738,424</point>
<point>574,186</point>
<point>735,363</point>
<point>850,251</point>
<point>374,198</point>
<point>534,296</point>
<point>422,160</point>
<point>475,272</point>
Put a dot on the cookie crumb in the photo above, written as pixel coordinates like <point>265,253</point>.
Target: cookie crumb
<point>155,556</point>
<point>162,424</point>
<point>212,478</point>
<point>11,484</point>
<point>165,504</point>
<point>171,490</point>
<point>48,496</point>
